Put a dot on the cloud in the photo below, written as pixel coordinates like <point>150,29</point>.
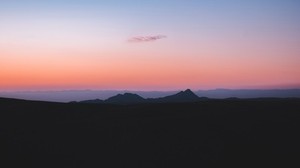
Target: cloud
<point>139,39</point>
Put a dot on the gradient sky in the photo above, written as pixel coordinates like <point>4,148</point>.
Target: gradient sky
<point>86,44</point>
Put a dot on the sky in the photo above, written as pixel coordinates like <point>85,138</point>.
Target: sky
<point>149,45</point>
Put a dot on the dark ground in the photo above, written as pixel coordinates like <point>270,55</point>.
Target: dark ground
<point>212,133</point>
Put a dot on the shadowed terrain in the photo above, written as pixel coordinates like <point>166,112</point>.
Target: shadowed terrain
<point>207,133</point>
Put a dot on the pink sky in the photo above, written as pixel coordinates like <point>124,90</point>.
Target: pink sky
<point>84,49</point>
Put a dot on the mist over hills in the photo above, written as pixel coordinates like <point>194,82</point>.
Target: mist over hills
<point>180,97</point>
<point>81,95</point>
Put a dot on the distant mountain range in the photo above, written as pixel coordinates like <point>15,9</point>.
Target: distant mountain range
<point>130,98</point>
<point>80,95</point>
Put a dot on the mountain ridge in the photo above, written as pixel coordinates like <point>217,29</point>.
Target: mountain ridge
<point>131,98</point>
<point>82,95</point>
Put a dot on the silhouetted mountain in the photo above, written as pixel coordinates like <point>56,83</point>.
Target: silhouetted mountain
<point>127,98</point>
<point>79,95</point>
<point>183,96</point>
<point>130,98</point>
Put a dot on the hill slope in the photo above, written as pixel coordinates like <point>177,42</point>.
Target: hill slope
<point>215,133</point>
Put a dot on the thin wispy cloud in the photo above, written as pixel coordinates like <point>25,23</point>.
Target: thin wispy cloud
<point>140,39</point>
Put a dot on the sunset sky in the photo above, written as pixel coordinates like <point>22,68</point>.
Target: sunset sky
<point>149,44</point>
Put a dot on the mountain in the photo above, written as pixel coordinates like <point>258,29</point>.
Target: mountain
<point>183,96</point>
<point>130,98</point>
<point>126,98</point>
<point>80,95</point>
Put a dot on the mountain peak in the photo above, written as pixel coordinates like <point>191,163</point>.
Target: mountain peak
<point>126,98</point>
<point>130,94</point>
<point>188,91</point>
<point>182,96</point>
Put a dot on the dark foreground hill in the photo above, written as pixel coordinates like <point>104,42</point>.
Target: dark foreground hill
<point>212,133</point>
